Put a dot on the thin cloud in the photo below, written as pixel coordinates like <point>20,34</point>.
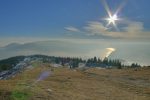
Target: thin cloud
<point>95,28</point>
<point>72,29</point>
<point>131,29</point>
<point>128,30</point>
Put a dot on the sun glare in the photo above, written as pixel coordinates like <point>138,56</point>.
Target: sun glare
<point>112,20</point>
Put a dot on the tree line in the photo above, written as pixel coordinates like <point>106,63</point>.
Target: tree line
<point>9,63</point>
<point>73,62</point>
<point>91,62</point>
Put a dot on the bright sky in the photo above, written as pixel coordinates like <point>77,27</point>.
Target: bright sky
<point>73,18</point>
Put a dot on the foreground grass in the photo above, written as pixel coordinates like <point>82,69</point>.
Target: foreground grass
<point>19,95</point>
<point>65,84</point>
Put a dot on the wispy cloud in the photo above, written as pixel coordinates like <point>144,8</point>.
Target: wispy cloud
<point>128,30</point>
<point>95,28</point>
<point>72,29</point>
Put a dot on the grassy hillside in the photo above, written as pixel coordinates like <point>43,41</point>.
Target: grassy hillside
<point>66,84</point>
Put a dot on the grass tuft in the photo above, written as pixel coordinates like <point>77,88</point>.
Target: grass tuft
<point>18,95</point>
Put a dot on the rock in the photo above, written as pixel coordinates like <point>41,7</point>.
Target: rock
<point>49,90</point>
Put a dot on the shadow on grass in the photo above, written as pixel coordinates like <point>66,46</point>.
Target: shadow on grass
<point>5,95</point>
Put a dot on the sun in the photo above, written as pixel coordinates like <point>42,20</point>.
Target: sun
<point>112,20</point>
<point>112,17</point>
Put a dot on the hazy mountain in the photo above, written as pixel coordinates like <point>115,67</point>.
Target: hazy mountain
<point>12,45</point>
<point>54,48</point>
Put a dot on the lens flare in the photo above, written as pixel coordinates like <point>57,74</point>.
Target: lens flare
<point>109,51</point>
<point>44,75</point>
<point>112,18</point>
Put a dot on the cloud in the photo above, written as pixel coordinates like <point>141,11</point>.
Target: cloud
<point>72,29</point>
<point>130,29</point>
<point>98,29</point>
<point>95,28</point>
<point>135,30</point>
<point>127,29</point>
<point>134,27</point>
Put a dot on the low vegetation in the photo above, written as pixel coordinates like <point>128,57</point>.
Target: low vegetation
<point>76,84</point>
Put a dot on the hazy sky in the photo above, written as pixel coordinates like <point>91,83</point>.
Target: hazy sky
<point>73,18</point>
